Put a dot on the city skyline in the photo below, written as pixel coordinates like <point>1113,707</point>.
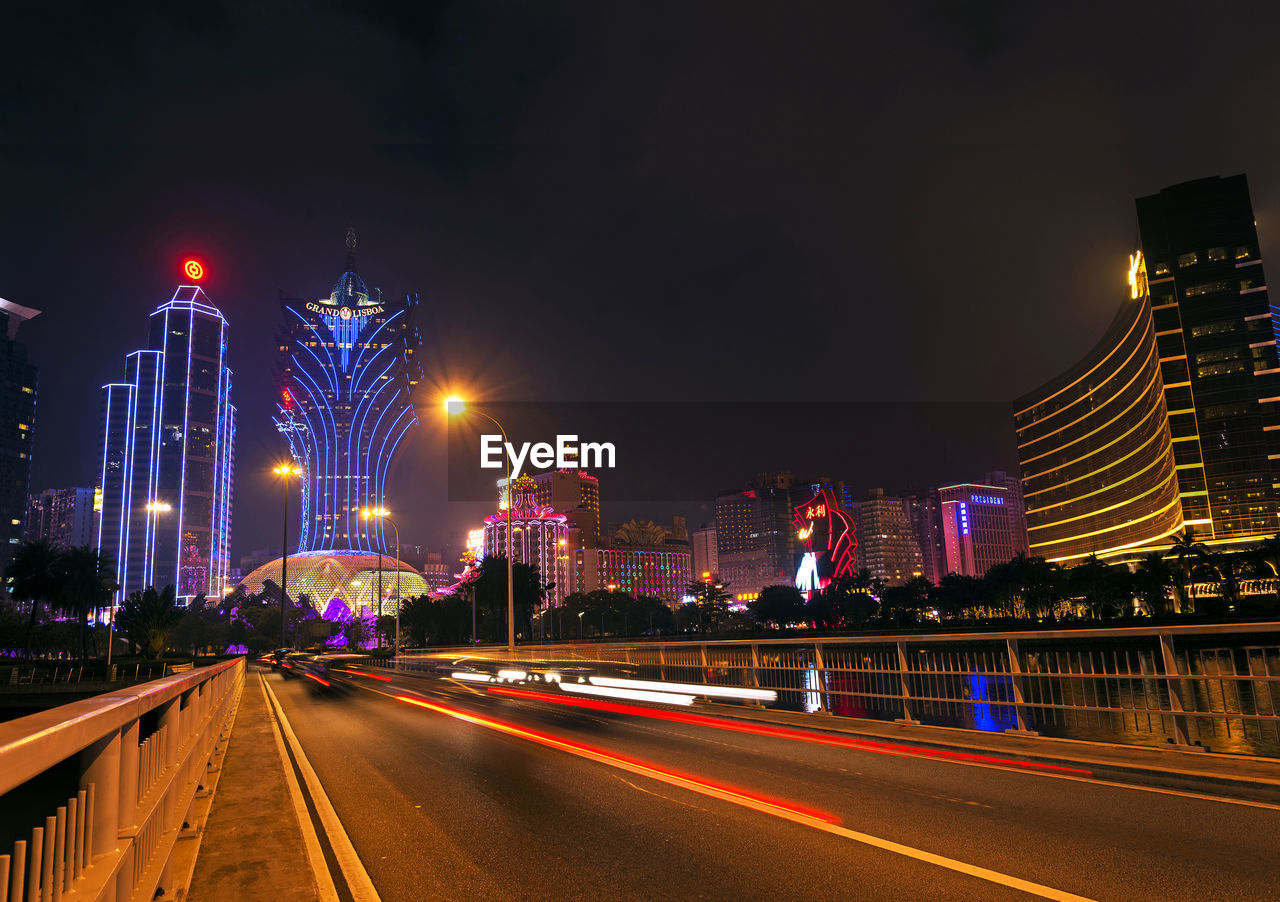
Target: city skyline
<point>645,237</point>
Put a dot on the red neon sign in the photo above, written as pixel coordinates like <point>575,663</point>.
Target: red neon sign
<point>193,269</point>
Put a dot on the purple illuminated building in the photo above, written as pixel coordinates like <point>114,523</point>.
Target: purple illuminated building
<point>167,455</point>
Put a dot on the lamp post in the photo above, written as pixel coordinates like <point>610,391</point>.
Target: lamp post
<point>153,508</point>
<point>383,514</point>
<point>457,406</point>
<point>285,471</point>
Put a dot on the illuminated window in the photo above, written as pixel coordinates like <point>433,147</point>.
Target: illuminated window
<point>1243,253</point>
<point>1206,288</point>
<point>1185,260</point>
<point>1217,254</point>
<point>1162,269</point>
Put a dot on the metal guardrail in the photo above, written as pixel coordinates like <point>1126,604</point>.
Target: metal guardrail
<point>142,753</point>
<point>1182,685</point>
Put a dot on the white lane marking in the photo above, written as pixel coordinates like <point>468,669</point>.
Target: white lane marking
<point>352,869</point>
<point>951,864</point>
<point>310,842</point>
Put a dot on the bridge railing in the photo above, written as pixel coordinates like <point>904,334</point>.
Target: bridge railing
<point>141,755</point>
<point>1203,685</point>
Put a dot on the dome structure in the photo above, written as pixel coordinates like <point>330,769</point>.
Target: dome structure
<point>350,577</point>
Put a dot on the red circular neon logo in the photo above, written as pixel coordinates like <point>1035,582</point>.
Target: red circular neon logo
<point>193,269</point>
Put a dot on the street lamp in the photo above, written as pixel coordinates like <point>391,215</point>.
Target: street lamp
<point>455,406</point>
<point>284,471</point>
<point>383,514</point>
<point>153,508</point>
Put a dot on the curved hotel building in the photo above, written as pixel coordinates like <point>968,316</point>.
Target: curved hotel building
<point>1173,421</point>
<point>1098,471</point>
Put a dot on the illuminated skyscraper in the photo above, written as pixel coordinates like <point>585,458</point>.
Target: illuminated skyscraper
<point>1173,420</point>
<point>17,424</point>
<point>168,452</point>
<point>347,374</point>
<point>978,527</point>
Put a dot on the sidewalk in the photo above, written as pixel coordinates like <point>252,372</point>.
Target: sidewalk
<point>1171,768</point>
<point>253,847</point>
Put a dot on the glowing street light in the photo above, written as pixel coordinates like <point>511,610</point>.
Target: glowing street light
<point>383,514</point>
<point>455,406</point>
<point>285,470</point>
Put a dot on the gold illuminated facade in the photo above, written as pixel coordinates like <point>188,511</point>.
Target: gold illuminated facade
<point>1097,456</point>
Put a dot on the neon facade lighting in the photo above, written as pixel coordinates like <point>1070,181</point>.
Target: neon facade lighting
<point>347,374</point>
<point>168,454</point>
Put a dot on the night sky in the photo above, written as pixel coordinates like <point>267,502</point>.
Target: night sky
<point>774,203</point>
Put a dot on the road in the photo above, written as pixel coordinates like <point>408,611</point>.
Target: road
<point>536,800</point>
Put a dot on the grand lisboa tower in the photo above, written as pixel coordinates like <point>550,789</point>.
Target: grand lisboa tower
<point>346,374</point>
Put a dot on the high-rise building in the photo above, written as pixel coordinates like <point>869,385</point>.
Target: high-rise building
<point>660,572</point>
<point>926,524</point>
<point>539,537</point>
<point>1017,508</point>
<point>756,544</point>
<point>347,373</point>
<point>167,454</point>
<point>1217,342</point>
<point>1173,420</point>
<point>704,551</point>
<point>576,494</point>
<point>977,527</point>
<point>888,541</point>
<point>17,425</point>
<point>62,517</point>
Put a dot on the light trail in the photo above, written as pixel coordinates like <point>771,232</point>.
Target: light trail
<point>787,811</point>
<point>701,720</point>
<point>372,676</point>
<point>643,768</point>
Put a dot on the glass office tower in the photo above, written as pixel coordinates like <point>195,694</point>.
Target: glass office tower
<point>167,455</point>
<point>1217,342</point>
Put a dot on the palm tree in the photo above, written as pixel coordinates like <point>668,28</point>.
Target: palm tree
<point>1153,579</point>
<point>85,583</point>
<point>148,617</point>
<point>1187,555</point>
<point>1267,561</point>
<point>711,598</point>
<point>32,575</point>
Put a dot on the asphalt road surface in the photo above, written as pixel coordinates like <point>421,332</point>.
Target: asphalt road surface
<point>467,794</point>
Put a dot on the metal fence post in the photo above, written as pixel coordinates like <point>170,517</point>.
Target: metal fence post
<point>904,685</point>
<point>1015,679</point>
<point>1173,683</point>
<point>755,672</point>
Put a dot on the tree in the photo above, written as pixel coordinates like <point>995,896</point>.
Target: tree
<point>147,618</point>
<point>712,601</point>
<point>1104,588</point>
<point>1152,581</point>
<point>490,586</point>
<point>32,576</point>
<point>906,603</point>
<point>1030,582</point>
<point>778,605</point>
<point>85,582</point>
<point>1187,554</point>
<point>846,602</point>
<point>956,593</point>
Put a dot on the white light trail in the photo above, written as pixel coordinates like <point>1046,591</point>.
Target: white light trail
<point>734,692</point>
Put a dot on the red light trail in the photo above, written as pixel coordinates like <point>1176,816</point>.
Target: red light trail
<point>643,768</point>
